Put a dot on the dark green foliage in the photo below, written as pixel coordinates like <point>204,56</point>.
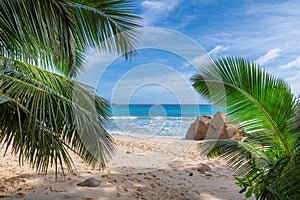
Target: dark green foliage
<point>268,112</point>
<point>55,33</point>
<point>41,121</point>
<point>44,116</point>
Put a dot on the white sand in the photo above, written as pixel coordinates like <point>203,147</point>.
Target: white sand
<point>158,168</point>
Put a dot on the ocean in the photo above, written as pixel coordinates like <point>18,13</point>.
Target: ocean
<point>156,120</point>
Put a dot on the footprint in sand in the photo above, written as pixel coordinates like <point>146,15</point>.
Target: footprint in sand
<point>20,194</point>
<point>223,188</point>
<point>208,175</point>
<point>196,192</point>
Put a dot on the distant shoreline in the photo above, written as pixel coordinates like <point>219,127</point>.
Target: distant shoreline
<point>202,104</point>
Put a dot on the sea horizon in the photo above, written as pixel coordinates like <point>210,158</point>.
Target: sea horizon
<point>172,120</point>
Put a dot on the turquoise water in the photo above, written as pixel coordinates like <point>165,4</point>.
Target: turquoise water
<point>156,120</point>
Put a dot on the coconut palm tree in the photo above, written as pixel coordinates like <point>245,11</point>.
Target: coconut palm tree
<point>267,160</point>
<point>56,33</point>
<point>44,115</point>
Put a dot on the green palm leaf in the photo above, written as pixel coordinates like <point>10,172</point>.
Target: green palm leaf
<point>42,119</point>
<point>239,155</point>
<point>55,34</point>
<point>289,183</point>
<point>265,108</point>
<point>251,94</point>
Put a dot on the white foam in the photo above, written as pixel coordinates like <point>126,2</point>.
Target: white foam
<point>124,117</point>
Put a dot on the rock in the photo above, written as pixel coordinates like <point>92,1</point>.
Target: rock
<point>90,182</point>
<point>203,168</point>
<point>130,151</point>
<point>218,120</point>
<point>198,128</point>
<point>218,127</point>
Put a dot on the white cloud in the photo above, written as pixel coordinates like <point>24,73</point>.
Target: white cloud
<point>294,63</point>
<point>199,60</point>
<point>270,55</point>
<point>258,28</point>
<point>217,49</point>
<point>155,82</point>
<point>155,11</point>
<point>95,65</point>
<point>294,77</point>
<point>293,81</point>
<point>205,58</point>
<point>159,6</point>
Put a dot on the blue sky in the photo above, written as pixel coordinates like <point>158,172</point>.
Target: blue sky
<point>264,31</point>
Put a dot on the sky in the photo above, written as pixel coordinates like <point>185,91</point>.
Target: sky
<point>267,32</point>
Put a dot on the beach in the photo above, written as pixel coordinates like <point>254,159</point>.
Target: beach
<point>142,168</point>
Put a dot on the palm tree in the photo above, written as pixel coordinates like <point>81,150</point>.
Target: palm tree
<point>45,115</point>
<point>56,33</point>
<point>267,160</point>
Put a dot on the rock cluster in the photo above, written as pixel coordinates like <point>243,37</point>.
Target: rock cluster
<point>218,127</point>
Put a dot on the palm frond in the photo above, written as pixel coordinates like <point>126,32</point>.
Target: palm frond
<point>295,127</point>
<point>44,115</point>
<point>264,106</point>
<point>251,97</point>
<point>53,34</point>
<point>239,156</point>
<point>288,185</point>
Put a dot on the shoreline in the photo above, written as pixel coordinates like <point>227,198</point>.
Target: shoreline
<point>148,136</point>
<point>155,168</point>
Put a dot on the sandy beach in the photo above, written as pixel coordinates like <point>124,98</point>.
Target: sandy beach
<point>142,168</point>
